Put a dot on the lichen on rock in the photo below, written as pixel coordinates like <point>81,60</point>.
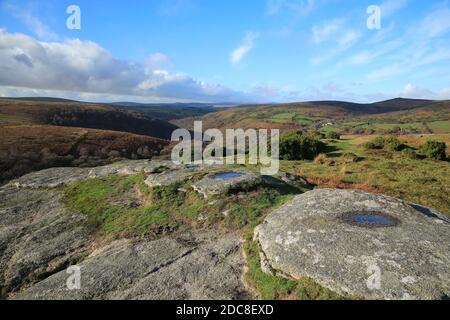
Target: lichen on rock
<point>312,236</point>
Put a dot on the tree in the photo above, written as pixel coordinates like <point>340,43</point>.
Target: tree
<point>434,150</point>
<point>295,146</point>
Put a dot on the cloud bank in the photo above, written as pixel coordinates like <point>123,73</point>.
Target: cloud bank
<point>84,66</point>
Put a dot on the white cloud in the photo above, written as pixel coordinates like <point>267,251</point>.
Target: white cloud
<point>409,88</point>
<point>85,67</point>
<point>24,13</point>
<point>411,91</point>
<point>247,44</point>
<point>335,31</point>
<point>367,56</point>
<point>175,8</point>
<point>422,45</point>
<point>348,38</point>
<point>436,23</point>
<point>299,7</point>
<point>389,7</point>
<point>336,36</point>
<point>327,30</point>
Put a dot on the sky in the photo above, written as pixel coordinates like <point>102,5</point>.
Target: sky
<point>221,51</point>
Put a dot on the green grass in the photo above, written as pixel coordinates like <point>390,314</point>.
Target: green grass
<point>436,126</point>
<point>155,212</point>
<point>439,126</point>
<point>283,117</point>
<point>287,117</point>
<point>426,182</point>
<point>100,199</point>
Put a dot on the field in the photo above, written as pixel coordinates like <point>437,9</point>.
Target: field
<point>393,116</point>
<point>426,182</point>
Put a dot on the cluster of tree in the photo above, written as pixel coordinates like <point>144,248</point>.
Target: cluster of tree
<point>17,161</point>
<point>431,149</point>
<point>296,145</point>
<point>394,131</point>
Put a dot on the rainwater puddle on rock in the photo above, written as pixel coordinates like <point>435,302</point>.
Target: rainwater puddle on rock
<point>227,175</point>
<point>370,219</point>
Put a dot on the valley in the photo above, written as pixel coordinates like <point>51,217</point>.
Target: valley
<point>110,189</point>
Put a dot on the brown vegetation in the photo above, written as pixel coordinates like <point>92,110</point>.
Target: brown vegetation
<point>27,148</point>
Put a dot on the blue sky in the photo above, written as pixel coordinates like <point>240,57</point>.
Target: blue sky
<point>225,51</point>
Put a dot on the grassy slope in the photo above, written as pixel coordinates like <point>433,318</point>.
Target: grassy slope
<point>83,115</point>
<point>383,115</point>
<point>26,148</point>
<point>170,112</point>
<point>426,182</point>
<point>39,134</point>
<point>285,116</point>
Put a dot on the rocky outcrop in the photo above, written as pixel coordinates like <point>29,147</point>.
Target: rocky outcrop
<point>190,267</point>
<point>40,238</point>
<point>168,177</point>
<point>55,177</point>
<point>221,181</point>
<point>361,244</point>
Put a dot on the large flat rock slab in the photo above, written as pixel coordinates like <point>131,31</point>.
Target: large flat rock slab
<point>190,267</point>
<point>49,178</point>
<point>38,236</point>
<point>219,182</point>
<point>359,243</point>
<point>132,167</point>
<point>168,178</point>
<point>56,177</point>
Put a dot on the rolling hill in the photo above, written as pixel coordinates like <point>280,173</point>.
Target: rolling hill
<point>318,114</point>
<point>82,115</point>
<point>168,111</point>
<point>44,132</point>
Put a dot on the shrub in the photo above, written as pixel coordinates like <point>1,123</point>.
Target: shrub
<point>392,143</point>
<point>317,135</point>
<point>389,143</point>
<point>333,135</point>
<point>434,150</point>
<point>350,157</point>
<point>409,153</point>
<point>377,143</point>
<point>295,146</point>
<point>321,159</point>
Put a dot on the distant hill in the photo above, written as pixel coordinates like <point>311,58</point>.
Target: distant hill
<point>396,104</point>
<point>315,114</point>
<point>83,115</point>
<point>44,132</point>
<point>168,111</point>
<point>41,99</point>
<point>26,148</point>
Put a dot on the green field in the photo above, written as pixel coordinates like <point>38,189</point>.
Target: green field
<point>426,182</point>
<point>435,126</point>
